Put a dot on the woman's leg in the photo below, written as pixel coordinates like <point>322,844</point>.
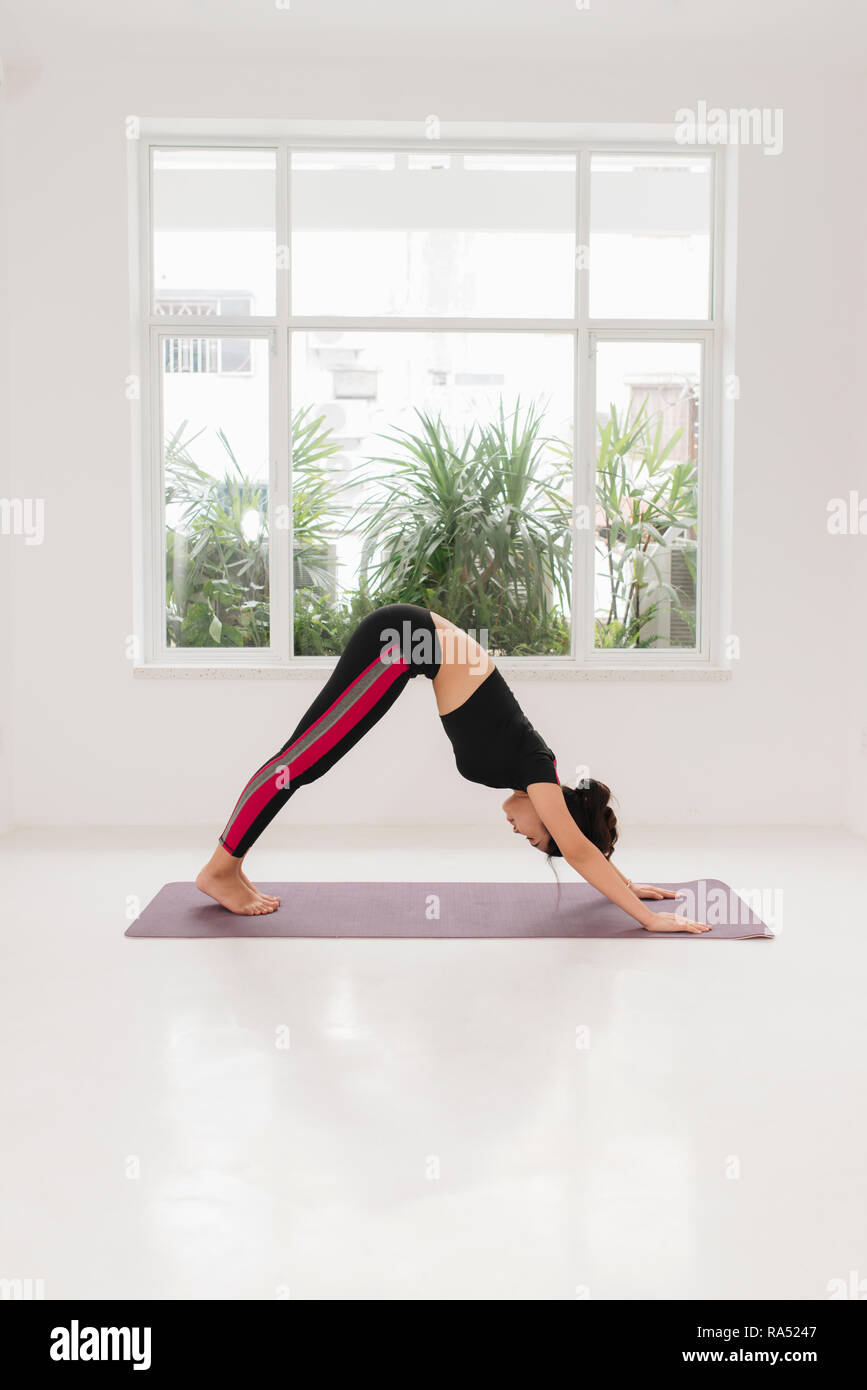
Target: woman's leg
<point>388,648</point>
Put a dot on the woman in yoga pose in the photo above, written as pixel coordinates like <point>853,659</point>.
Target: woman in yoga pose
<point>494,743</point>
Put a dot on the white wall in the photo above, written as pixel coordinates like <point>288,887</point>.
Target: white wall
<point>857,550</point>
<point>6,542</point>
<point>94,746</point>
<point>857,741</point>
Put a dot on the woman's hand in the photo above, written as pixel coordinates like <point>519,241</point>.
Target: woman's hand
<point>669,921</point>
<point>649,890</point>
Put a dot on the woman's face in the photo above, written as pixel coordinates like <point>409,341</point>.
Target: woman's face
<point>524,819</point>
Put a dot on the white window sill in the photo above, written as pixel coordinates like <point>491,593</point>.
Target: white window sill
<point>319,670</point>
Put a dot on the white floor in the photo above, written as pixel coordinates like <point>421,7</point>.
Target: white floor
<point>432,1130</point>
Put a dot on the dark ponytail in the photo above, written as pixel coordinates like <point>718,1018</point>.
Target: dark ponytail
<point>589,806</point>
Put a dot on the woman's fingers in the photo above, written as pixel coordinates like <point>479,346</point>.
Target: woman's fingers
<point>669,921</point>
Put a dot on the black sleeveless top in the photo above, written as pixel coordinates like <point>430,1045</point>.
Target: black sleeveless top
<point>494,741</point>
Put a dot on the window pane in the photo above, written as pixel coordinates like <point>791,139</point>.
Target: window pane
<point>650,236</point>
<point>408,484</point>
<point>216,458</point>
<point>647,419</point>
<point>433,234</point>
<point>214,220</point>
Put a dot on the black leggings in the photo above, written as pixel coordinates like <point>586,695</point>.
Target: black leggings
<point>388,648</point>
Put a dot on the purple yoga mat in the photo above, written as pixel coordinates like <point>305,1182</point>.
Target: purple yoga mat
<point>446,910</point>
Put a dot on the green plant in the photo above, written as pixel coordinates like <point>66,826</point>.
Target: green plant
<point>315,509</point>
<point>216,561</point>
<point>323,625</point>
<point>647,502</point>
<point>475,526</point>
<point>217,587</point>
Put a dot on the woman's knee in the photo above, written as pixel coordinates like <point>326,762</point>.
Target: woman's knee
<point>408,629</point>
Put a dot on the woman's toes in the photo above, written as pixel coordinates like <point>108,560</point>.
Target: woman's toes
<point>265,897</point>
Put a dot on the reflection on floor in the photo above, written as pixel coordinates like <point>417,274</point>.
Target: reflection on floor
<point>431,1119</point>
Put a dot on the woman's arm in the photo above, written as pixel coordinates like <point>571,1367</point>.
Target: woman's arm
<point>595,869</point>
<point>592,865</point>
<point>645,890</point>
<point>628,883</point>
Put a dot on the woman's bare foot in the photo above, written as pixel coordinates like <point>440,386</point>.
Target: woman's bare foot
<point>223,880</point>
<point>269,897</point>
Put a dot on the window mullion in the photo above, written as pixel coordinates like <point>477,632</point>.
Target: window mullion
<point>156,502</point>
<point>582,567</point>
<point>280,520</point>
<point>278,532</point>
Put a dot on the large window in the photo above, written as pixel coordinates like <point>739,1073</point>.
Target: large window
<point>474,376</point>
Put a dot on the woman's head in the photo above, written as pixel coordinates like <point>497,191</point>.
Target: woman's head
<point>588,805</point>
<point>525,820</point>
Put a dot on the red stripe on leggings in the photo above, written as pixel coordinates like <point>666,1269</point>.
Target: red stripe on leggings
<point>320,746</point>
<point>279,759</point>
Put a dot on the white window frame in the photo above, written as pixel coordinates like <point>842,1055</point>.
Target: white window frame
<point>710,659</point>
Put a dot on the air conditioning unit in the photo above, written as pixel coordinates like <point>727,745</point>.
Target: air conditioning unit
<point>666,624</point>
<point>347,419</point>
